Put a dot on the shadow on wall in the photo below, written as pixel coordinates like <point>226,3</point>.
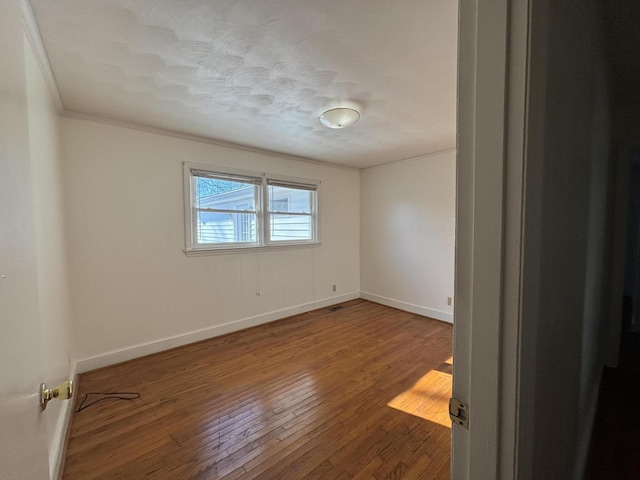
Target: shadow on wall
<point>632,264</point>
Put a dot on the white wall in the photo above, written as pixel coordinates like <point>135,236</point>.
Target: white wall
<point>92,229</point>
<point>35,338</point>
<point>569,219</point>
<point>135,291</point>
<point>407,234</point>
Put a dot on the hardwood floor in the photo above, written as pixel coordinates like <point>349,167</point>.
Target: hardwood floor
<point>358,393</point>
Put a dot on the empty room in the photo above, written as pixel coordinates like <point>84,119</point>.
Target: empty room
<point>237,226</point>
<point>247,239</point>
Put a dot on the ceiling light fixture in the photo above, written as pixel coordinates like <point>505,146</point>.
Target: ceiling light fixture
<point>339,117</point>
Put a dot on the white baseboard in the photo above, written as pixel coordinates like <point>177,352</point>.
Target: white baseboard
<point>57,450</point>
<point>409,307</point>
<point>155,346</point>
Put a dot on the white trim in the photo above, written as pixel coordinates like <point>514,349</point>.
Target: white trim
<point>197,138</point>
<point>514,412</point>
<point>190,210</point>
<point>155,346</point>
<point>294,180</point>
<point>33,34</point>
<point>261,212</point>
<point>417,158</point>
<point>408,307</point>
<point>492,61</point>
<point>203,252</point>
<point>188,207</point>
<point>35,40</point>
<point>221,143</point>
<point>58,449</point>
<point>206,167</point>
<point>266,212</point>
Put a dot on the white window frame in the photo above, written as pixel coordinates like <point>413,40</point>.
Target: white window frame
<point>288,182</point>
<point>263,230</point>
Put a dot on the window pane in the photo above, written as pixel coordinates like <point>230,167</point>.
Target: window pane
<point>225,194</point>
<point>234,208</point>
<point>215,227</point>
<point>283,199</point>
<point>290,227</point>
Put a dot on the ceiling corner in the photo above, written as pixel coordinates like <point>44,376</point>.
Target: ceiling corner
<point>35,40</point>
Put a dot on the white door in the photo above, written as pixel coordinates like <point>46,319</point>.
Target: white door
<point>23,445</point>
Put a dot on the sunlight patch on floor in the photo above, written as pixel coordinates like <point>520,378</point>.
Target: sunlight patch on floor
<point>427,399</point>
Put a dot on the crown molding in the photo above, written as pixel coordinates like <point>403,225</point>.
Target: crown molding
<point>197,138</point>
<point>35,40</point>
<point>417,158</point>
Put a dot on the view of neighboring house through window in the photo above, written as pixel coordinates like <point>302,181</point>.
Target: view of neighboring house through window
<point>225,209</point>
<point>231,210</point>
<point>290,211</point>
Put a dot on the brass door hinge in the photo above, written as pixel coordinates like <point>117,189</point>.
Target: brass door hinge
<point>459,412</point>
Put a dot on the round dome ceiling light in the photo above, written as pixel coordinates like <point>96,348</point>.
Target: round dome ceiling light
<point>339,117</point>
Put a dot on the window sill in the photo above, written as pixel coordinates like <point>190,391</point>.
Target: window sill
<point>201,252</point>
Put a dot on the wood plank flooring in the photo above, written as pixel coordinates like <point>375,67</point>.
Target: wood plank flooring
<point>360,393</point>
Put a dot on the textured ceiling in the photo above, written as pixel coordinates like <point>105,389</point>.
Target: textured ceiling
<point>259,73</point>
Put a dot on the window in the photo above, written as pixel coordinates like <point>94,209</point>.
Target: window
<point>290,211</point>
<point>234,209</point>
<point>224,208</point>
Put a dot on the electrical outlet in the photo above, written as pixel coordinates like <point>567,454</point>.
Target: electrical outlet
<point>449,301</point>
<point>334,287</point>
